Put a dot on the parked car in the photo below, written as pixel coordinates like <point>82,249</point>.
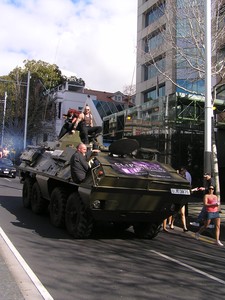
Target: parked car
<point>7,168</point>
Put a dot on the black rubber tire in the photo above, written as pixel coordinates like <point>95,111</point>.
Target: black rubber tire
<point>38,204</point>
<point>146,230</point>
<point>27,192</point>
<point>78,218</point>
<point>57,206</point>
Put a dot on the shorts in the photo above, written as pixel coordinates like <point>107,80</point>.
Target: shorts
<point>212,215</point>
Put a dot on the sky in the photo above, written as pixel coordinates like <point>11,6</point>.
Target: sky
<point>92,39</point>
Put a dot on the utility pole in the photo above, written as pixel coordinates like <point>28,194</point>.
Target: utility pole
<point>26,111</point>
<point>3,119</point>
<point>208,91</point>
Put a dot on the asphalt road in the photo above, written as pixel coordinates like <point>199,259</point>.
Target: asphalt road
<point>110,265</point>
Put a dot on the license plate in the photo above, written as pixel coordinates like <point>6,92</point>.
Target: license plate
<point>180,191</point>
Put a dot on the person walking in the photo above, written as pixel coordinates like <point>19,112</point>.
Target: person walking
<point>208,181</point>
<point>185,174</point>
<point>211,204</point>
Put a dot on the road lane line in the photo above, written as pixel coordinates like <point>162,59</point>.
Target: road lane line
<point>42,290</point>
<point>7,179</point>
<point>189,267</point>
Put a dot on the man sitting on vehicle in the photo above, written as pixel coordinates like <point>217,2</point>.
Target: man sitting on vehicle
<point>79,163</point>
<point>84,124</point>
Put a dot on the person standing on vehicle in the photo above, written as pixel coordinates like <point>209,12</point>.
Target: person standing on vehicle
<point>211,204</point>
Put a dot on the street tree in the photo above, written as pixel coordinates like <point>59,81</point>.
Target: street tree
<point>44,77</point>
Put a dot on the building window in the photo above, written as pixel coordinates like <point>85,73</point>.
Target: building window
<point>150,95</point>
<point>154,40</point>
<point>59,110</point>
<point>155,93</point>
<point>162,90</point>
<point>155,13</point>
<point>150,70</point>
<point>187,70</point>
<point>197,86</point>
<point>118,98</point>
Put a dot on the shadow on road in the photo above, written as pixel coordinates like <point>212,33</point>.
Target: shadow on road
<point>41,224</point>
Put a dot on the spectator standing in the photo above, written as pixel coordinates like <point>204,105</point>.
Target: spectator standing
<point>208,181</point>
<point>212,213</point>
<point>185,174</point>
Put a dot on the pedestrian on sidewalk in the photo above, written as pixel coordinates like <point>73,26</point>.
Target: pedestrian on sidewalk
<point>185,174</point>
<point>208,181</point>
<point>165,224</point>
<point>211,204</point>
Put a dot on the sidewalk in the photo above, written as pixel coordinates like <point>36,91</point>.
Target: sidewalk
<point>8,286</point>
<point>194,208</point>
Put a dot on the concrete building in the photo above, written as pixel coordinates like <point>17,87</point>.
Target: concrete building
<point>73,94</point>
<point>171,47</point>
<point>169,111</point>
<point>150,26</point>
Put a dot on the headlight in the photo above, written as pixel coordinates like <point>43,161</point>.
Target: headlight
<point>96,204</point>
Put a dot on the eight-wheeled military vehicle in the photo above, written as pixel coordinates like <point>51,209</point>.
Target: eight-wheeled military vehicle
<point>122,188</point>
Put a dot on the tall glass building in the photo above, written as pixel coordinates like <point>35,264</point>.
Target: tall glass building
<point>171,47</point>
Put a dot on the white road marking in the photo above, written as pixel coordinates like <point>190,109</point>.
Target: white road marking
<point>7,179</point>
<point>189,267</point>
<point>42,290</point>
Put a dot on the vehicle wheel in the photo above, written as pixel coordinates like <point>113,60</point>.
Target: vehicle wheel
<point>146,230</point>
<point>27,191</point>
<point>79,221</point>
<point>58,207</point>
<point>38,204</point>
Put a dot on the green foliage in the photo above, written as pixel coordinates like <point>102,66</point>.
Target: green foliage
<point>44,77</point>
<point>48,74</point>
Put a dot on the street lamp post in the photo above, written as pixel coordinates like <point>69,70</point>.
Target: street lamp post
<point>3,119</point>
<point>26,111</point>
<point>208,91</point>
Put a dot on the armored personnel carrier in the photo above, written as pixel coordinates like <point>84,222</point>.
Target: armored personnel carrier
<point>121,187</point>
